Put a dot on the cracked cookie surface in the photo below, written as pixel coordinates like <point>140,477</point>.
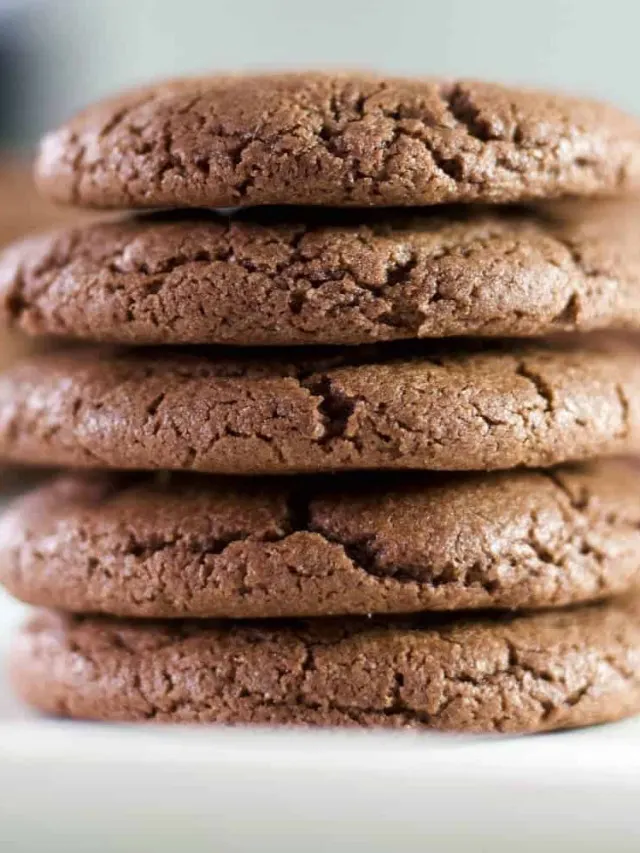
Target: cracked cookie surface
<point>522,673</point>
<point>329,278</point>
<point>475,408</point>
<point>171,546</point>
<point>336,139</point>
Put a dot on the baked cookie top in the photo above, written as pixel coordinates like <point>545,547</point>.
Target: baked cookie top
<point>278,277</point>
<point>477,407</point>
<point>183,545</point>
<point>517,673</point>
<point>350,139</point>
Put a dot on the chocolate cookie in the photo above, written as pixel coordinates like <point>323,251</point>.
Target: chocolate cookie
<point>187,545</point>
<point>479,409</point>
<point>529,673</point>
<point>336,139</point>
<point>332,279</point>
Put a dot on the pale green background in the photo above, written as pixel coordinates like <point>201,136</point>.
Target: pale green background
<point>85,48</point>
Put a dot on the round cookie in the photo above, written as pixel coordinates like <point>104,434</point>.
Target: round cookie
<point>530,673</point>
<point>329,278</point>
<point>336,139</point>
<point>187,545</point>
<point>479,408</point>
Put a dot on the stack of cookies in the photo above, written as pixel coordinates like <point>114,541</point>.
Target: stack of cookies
<point>265,405</point>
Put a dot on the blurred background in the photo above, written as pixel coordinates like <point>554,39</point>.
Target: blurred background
<point>57,55</point>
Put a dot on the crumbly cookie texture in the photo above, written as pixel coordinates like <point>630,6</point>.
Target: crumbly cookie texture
<point>526,673</point>
<point>478,408</point>
<point>336,139</point>
<point>169,546</point>
<point>329,278</point>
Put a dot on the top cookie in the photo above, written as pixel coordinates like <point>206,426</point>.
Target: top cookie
<point>336,139</point>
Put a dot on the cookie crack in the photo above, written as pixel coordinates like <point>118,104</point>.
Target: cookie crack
<point>575,253</point>
<point>201,547</point>
<point>625,410</point>
<point>538,381</point>
<point>459,104</point>
<point>569,315</point>
<point>579,501</point>
<point>454,687</point>
<point>16,302</point>
<point>334,407</point>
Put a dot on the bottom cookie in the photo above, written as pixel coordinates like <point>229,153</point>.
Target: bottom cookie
<point>524,673</point>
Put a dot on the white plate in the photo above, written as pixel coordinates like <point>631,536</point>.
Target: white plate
<point>77,787</point>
